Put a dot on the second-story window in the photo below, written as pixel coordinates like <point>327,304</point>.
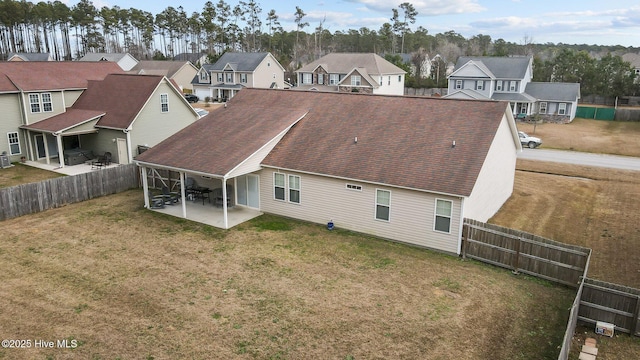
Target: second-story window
<point>355,80</point>
<point>479,85</point>
<point>220,77</point>
<point>243,78</point>
<point>34,102</point>
<point>164,103</point>
<point>458,84</point>
<point>47,103</point>
<point>513,86</point>
<point>499,85</point>
<point>229,78</point>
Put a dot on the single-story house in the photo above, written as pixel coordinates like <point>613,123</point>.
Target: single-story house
<point>409,169</point>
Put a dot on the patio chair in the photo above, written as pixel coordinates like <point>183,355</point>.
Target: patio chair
<point>102,161</point>
<point>156,202</point>
<point>217,196</point>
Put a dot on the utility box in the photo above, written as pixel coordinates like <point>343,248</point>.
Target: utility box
<point>605,329</point>
<point>4,160</point>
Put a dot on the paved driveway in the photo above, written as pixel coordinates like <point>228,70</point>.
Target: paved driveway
<point>581,158</point>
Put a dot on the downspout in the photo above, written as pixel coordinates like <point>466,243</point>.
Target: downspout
<point>461,226</point>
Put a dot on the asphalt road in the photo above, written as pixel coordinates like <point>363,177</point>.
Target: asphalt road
<point>581,158</point>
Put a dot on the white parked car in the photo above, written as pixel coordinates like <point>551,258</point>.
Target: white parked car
<point>531,142</point>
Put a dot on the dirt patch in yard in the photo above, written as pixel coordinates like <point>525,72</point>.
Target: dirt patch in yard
<point>127,282</point>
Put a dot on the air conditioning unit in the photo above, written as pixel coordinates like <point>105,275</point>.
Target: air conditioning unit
<point>4,160</point>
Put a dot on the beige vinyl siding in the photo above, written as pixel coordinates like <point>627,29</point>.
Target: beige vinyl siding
<point>57,102</point>
<point>152,125</point>
<point>87,127</point>
<point>263,74</point>
<point>253,163</point>
<point>11,120</point>
<point>71,96</point>
<point>323,199</point>
<point>102,142</point>
<point>495,181</point>
<point>184,76</point>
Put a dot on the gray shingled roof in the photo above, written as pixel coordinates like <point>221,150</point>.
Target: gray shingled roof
<point>239,61</point>
<point>501,67</point>
<point>115,57</point>
<point>31,56</point>
<point>342,63</point>
<point>554,91</point>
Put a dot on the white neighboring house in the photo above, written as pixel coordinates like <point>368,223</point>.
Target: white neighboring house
<point>235,71</point>
<point>352,72</point>
<point>509,79</point>
<point>125,60</point>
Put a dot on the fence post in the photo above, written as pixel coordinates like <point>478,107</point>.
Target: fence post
<point>465,239</point>
<point>636,318</point>
<point>517,259</point>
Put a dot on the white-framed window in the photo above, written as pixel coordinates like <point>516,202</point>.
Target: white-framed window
<point>243,78</point>
<point>294,189</point>
<point>356,80</point>
<point>164,103</point>
<point>562,109</point>
<point>458,84</point>
<point>399,78</point>
<point>278,186</point>
<point>34,102</point>
<point>443,216</point>
<point>354,187</point>
<point>479,84</point>
<point>321,79</point>
<point>14,143</point>
<point>334,79</point>
<point>220,77</point>
<point>389,81</point>
<point>47,103</point>
<point>513,86</point>
<point>203,75</point>
<point>543,107</point>
<point>307,78</point>
<point>383,204</point>
<point>229,78</point>
<point>499,85</point>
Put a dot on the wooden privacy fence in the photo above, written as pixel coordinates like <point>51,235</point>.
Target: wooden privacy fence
<point>524,252</point>
<point>611,303</point>
<point>52,193</point>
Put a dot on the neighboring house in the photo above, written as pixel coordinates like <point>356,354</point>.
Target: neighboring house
<point>425,66</point>
<point>182,72</point>
<point>29,57</point>
<point>125,60</point>
<point>634,60</point>
<point>33,91</point>
<point>118,114</point>
<point>352,72</point>
<point>235,71</point>
<point>408,169</point>
<point>509,79</point>
<point>197,59</point>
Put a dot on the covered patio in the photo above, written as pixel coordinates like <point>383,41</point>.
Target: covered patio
<point>210,214</point>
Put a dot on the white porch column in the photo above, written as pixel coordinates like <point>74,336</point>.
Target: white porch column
<point>145,186</point>
<point>60,149</point>
<point>46,148</point>
<point>31,153</point>
<point>224,202</point>
<point>182,195</point>
<point>129,151</point>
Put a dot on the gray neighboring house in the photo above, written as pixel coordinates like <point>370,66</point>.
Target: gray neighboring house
<point>352,72</point>
<point>237,70</point>
<point>197,59</point>
<point>181,72</point>
<point>634,60</point>
<point>29,57</point>
<point>125,60</point>
<point>509,79</point>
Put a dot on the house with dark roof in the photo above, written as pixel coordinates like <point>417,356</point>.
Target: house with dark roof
<point>119,115</point>
<point>509,79</point>
<point>181,72</point>
<point>33,91</point>
<point>408,169</point>
<point>125,60</point>
<point>197,59</point>
<point>235,71</point>
<point>352,72</point>
<point>29,57</point>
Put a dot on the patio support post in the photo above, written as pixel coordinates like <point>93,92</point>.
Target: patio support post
<point>46,148</point>
<point>145,186</point>
<point>31,151</point>
<point>60,149</point>
<point>182,195</point>
<point>224,202</point>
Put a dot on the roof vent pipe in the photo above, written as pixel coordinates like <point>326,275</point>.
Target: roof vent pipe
<point>453,144</point>
<point>355,140</point>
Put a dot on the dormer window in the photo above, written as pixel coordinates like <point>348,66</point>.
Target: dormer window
<point>203,76</point>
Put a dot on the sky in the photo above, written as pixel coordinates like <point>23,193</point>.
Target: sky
<point>601,22</point>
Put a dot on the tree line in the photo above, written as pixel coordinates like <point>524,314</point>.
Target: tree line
<point>68,33</point>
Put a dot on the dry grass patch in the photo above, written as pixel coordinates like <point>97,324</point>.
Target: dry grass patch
<point>592,207</point>
<point>21,174</point>
<point>129,283</point>
<point>597,136</point>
